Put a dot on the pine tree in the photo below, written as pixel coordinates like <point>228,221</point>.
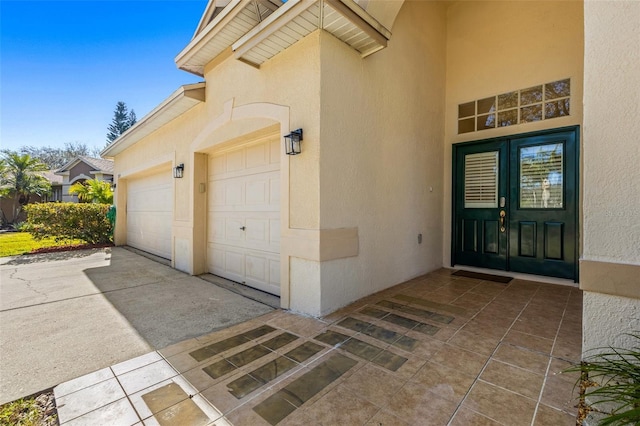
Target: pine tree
<point>122,120</point>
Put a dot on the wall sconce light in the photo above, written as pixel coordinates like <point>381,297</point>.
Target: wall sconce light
<point>178,171</point>
<point>113,186</point>
<point>292,142</point>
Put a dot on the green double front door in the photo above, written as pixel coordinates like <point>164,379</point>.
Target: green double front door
<point>515,203</point>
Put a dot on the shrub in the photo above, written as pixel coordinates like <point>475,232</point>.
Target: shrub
<point>614,376</point>
<point>65,221</point>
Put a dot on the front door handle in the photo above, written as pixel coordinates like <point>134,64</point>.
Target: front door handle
<point>503,214</point>
<point>242,228</point>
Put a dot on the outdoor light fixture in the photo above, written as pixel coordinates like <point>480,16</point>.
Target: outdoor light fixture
<point>292,142</point>
<point>178,171</point>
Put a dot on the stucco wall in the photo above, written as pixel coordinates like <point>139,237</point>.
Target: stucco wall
<point>381,152</point>
<point>159,151</point>
<point>498,47</point>
<point>611,177</point>
<point>611,148</point>
<point>608,321</point>
<point>292,79</point>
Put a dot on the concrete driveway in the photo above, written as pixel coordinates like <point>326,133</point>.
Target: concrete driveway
<point>64,315</point>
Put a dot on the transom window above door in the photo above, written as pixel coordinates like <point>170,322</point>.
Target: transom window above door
<point>541,102</point>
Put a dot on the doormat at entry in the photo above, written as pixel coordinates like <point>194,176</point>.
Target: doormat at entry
<point>485,277</point>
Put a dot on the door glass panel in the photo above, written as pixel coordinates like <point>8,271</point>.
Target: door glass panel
<point>541,178</point>
<point>481,180</point>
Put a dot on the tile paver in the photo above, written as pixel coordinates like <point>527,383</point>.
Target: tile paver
<point>402,356</point>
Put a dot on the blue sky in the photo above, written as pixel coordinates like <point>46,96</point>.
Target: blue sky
<point>65,64</point>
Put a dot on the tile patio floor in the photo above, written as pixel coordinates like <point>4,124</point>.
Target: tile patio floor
<point>436,350</point>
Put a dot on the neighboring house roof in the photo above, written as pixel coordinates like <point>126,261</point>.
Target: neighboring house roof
<point>51,176</point>
<point>98,164</point>
<point>180,101</point>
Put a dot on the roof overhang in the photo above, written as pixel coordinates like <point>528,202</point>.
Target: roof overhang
<point>180,101</point>
<point>235,20</point>
<point>256,37</point>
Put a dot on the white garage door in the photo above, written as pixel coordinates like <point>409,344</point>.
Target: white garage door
<point>149,213</point>
<point>244,215</point>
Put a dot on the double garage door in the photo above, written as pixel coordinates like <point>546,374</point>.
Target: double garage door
<point>149,213</point>
<point>244,215</point>
<point>243,221</point>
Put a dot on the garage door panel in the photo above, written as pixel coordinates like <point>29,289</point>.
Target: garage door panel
<point>257,156</point>
<point>274,272</point>
<point>274,191</point>
<point>257,232</point>
<point>274,151</point>
<point>244,215</point>
<point>216,229</point>
<point>217,166</point>
<point>233,193</point>
<point>234,262</point>
<point>233,233</point>
<point>215,258</point>
<point>153,200</point>
<point>150,213</point>
<point>257,192</point>
<point>274,232</point>
<point>216,197</point>
<point>234,161</point>
<point>257,268</point>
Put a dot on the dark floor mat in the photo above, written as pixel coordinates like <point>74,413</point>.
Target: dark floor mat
<point>485,277</point>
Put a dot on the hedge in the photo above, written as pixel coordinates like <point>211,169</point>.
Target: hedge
<point>62,221</point>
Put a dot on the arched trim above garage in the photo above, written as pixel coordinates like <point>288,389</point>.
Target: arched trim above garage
<point>236,121</point>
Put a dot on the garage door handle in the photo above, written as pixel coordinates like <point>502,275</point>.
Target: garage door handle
<point>242,228</point>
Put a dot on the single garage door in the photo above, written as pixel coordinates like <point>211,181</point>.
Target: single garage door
<point>149,213</point>
<point>244,215</point>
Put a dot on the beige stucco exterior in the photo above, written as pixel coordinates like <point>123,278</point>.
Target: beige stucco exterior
<point>611,254</point>
<point>375,169</point>
<point>382,155</point>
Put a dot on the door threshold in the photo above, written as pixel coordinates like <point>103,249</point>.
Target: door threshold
<point>517,275</point>
<point>148,255</point>
<point>243,290</point>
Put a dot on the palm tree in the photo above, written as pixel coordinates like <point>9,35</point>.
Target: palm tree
<point>20,178</point>
<point>93,191</point>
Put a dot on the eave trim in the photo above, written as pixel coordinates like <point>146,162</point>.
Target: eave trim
<point>182,100</point>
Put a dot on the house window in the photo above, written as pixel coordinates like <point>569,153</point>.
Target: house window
<point>55,195</point>
<point>481,180</point>
<point>541,177</point>
<point>536,103</point>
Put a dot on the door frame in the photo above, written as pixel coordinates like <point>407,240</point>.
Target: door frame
<point>578,201</point>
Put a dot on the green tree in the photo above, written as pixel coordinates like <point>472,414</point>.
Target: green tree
<point>20,178</point>
<point>93,191</point>
<point>122,120</point>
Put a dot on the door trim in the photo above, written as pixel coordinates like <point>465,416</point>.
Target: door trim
<point>578,200</point>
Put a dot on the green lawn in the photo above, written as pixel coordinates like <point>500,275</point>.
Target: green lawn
<point>13,243</point>
<point>21,412</point>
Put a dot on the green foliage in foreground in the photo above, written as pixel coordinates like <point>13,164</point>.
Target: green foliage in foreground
<point>23,412</point>
<point>614,379</point>
<point>93,191</point>
<point>15,243</point>
<point>65,221</point>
